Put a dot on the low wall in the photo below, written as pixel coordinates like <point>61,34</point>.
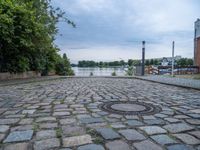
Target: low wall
<point>29,74</point>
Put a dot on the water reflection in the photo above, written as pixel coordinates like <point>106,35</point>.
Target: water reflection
<point>120,71</point>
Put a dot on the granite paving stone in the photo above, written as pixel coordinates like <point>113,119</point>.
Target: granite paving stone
<point>172,120</point>
<point>195,133</point>
<point>72,130</point>
<point>2,137</point>
<point>108,133</point>
<point>21,128</point>
<point>28,111</point>
<point>144,145</point>
<point>132,135</point>
<point>178,127</point>
<point>117,145</point>
<point>8,121</point>
<point>91,147</point>
<point>196,111</point>
<point>26,121</point>
<point>180,147</point>
<point>18,146</point>
<point>163,139</point>
<point>19,136</point>
<point>117,125</point>
<point>195,116</point>
<point>154,122</point>
<point>61,113</point>
<point>48,125</point>
<point>198,147</point>
<point>193,121</point>
<point>46,119</point>
<point>134,123</point>
<point>77,140</point>
<point>150,130</point>
<point>4,128</point>
<point>47,144</point>
<point>91,120</point>
<point>186,138</point>
<point>67,121</point>
<point>45,134</point>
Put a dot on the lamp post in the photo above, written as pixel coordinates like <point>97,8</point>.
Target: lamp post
<point>143,58</point>
<point>173,43</point>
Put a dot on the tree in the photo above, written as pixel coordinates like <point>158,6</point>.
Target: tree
<point>101,64</point>
<point>151,62</point>
<point>156,62</point>
<point>189,62</point>
<point>121,63</point>
<point>63,66</point>
<point>27,34</point>
<point>136,62</point>
<point>147,63</point>
<point>130,62</point>
<point>184,62</point>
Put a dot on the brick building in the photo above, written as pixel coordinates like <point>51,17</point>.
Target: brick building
<point>197,43</point>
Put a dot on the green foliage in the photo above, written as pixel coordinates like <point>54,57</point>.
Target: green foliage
<point>86,63</point>
<point>97,139</point>
<point>156,62</point>
<point>58,132</point>
<point>114,74</point>
<point>152,62</point>
<point>63,67</point>
<point>130,71</point>
<point>130,62</point>
<point>147,62</point>
<point>185,62</point>
<point>27,34</point>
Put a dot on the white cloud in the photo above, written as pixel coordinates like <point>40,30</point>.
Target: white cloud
<point>105,26</point>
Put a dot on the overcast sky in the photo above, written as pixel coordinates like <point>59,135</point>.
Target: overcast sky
<point>113,29</point>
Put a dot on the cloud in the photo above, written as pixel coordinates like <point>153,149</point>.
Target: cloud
<point>116,27</point>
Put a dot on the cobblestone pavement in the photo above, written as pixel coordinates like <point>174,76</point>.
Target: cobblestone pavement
<point>64,114</point>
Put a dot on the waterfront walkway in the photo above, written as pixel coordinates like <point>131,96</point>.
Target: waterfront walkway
<point>99,114</point>
<point>183,82</point>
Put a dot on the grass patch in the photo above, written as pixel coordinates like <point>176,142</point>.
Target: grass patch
<point>62,101</point>
<point>58,132</point>
<point>114,73</point>
<point>97,139</point>
<point>35,126</point>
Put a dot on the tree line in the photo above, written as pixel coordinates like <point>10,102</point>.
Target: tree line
<point>131,62</point>
<point>87,63</point>
<point>27,34</point>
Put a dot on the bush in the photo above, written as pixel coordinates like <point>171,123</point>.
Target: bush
<point>63,67</point>
<point>130,71</point>
<point>91,74</point>
<point>114,74</point>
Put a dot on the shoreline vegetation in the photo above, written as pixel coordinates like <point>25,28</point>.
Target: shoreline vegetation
<point>131,62</point>
<point>27,37</point>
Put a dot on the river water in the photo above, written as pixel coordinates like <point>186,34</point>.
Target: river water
<point>79,71</point>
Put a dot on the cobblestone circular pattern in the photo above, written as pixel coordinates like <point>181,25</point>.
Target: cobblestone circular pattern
<point>129,108</point>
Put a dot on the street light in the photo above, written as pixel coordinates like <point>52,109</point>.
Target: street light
<point>173,43</point>
<point>143,58</point>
